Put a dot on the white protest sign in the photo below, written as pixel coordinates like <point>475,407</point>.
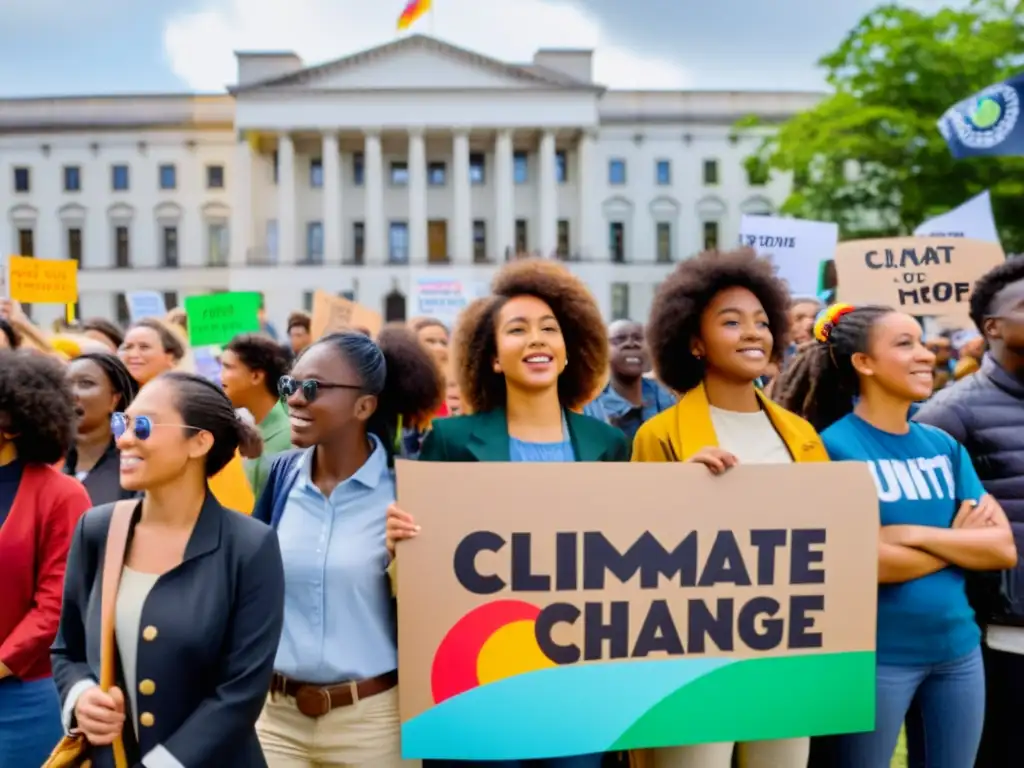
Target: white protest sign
<point>797,247</point>
<point>143,304</point>
<point>445,297</point>
<point>972,219</point>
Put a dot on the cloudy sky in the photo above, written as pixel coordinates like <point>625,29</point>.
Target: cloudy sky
<point>99,46</point>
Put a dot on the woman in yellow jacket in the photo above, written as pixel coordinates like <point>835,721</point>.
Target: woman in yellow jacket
<point>712,334</point>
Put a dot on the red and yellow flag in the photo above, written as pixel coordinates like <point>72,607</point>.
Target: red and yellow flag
<point>413,10</point>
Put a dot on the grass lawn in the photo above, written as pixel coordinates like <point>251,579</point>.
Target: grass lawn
<point>899,760</point>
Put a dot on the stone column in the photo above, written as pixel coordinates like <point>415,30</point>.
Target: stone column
<point>462,225</point>
<point>418,246</point>
<point>547,197</point>
<point>332,199</point>
<point>504,234</point>
<point>287,238</point>
<point>240,237</point>
<point>588,235</point>
<point>373,184</point>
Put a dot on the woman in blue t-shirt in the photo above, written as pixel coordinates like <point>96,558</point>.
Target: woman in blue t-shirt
<point>937,521</point>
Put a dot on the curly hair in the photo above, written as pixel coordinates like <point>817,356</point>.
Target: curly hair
<point>261,353</point>
<point>988,286</point>
<point>8,330</point>
<point>36,406</point>
<point>820,383</point>
<point>398,370</point>
<point>475,344</point>
<point>686,293</point>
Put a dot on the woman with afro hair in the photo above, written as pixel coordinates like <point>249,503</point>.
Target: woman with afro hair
<point>712,334</point>
<point>39,508</point>
<point>529,357</point>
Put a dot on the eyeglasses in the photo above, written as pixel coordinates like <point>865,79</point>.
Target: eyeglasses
<point>288,386</point>
<point>141,426</point>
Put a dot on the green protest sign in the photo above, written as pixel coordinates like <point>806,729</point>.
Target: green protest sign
<point>219,317</point>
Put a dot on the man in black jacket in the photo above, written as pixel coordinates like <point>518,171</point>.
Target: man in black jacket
<point>985,413</point>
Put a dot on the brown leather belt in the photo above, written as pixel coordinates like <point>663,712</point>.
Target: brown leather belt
<point>317,700</point>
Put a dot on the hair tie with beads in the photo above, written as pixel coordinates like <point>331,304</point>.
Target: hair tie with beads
<point>828,319</point>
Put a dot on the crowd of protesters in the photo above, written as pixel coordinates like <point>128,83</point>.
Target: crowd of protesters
<point>254,623</point>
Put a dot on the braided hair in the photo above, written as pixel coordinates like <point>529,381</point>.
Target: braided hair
<point>117,374</point>
<point>820,383</point>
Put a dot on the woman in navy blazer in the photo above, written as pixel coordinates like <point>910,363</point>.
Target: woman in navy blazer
<point>201,598</point>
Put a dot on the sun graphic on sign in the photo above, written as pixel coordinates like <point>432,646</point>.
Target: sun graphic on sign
<point>490,643</point>
<point>986,113</point>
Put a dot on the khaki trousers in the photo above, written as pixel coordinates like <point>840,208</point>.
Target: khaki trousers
<point>780,753</point>
<point>365,734</point>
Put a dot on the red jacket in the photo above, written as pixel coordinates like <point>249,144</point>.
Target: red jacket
<point>34,543</point>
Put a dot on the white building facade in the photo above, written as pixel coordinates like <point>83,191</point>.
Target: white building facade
<point>362,176</point>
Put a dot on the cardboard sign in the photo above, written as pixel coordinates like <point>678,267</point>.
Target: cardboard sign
<point>143,304</point>
<point>216,319</point>
<point>335,313</point>
<point>593,607</point>
<point>917,275</point>
<point>796,247</point>
<point>43,281</point>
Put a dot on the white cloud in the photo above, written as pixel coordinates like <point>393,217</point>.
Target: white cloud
<point>200,45</point>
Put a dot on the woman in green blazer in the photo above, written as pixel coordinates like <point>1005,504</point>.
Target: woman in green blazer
<point>528,358</point>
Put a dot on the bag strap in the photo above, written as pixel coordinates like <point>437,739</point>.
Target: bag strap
<point>113,563</point>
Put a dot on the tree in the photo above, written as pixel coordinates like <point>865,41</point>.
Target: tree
<point>869,156</point>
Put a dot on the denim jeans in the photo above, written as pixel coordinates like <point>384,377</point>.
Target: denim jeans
<point>951,700</point>
<point>29,721</point>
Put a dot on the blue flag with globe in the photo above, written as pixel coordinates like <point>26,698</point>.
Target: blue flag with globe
<point>987,123</point>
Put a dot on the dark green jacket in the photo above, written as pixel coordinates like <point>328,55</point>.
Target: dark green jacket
<point>484,437</point>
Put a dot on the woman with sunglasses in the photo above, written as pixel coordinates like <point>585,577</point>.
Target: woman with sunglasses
<point>346,397</point>
<point>201,596</point>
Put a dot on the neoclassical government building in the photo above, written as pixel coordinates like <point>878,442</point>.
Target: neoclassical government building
<point>366,176</point>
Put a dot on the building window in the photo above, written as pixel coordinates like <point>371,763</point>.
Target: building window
<point>122,247</point>
<point>399,174</point>
<point>26,242</point>
<point>275,160</point>
<point>620,301</point>
<point>316,173</point>
<point>563,239</point>
<point>22,180</point>
<point>121,311</point>
<point>521,167</point>
<point>170,299</point>
<point>477,174</point>
<point>358,169</point>
<point>617,172</point>
<point>307,301</point>
<point>521,238</point>
<point>75,245</point>
<point>315,242</point>
<point>710,172</point>
<point>710,235</point>
<point>215,177</point>
<point>170,247</point>
<point>561,167</point>
<point>663,239</point>
<point>398,242</point>
<point>218,244</point>
<point>617,241</point>
<point>119,178</point>
<point>663,173</point>
<point>168,177</point>
<point>358,242</point>
<point>437,174</point>
<point>480,241</point>
<point>72,178</point>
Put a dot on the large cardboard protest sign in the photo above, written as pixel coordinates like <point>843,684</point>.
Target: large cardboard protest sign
<point>918,275</point>
<point>43,281</point>
<point>336,313</point>
<point>549,610</point>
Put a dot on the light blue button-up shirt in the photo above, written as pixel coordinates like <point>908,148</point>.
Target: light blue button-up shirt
<point>339,618</point>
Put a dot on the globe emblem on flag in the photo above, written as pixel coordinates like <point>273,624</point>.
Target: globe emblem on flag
<point>986,120</point>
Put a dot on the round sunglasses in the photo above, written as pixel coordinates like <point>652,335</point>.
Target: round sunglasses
<point>141,426</point>
<point>288,386</point>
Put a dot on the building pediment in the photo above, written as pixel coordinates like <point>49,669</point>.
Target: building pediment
<point>415,63</point>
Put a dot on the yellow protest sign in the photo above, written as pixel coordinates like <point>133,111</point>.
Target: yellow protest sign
<point>43,281</point>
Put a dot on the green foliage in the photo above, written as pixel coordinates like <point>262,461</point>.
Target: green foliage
<point>869,156</point>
